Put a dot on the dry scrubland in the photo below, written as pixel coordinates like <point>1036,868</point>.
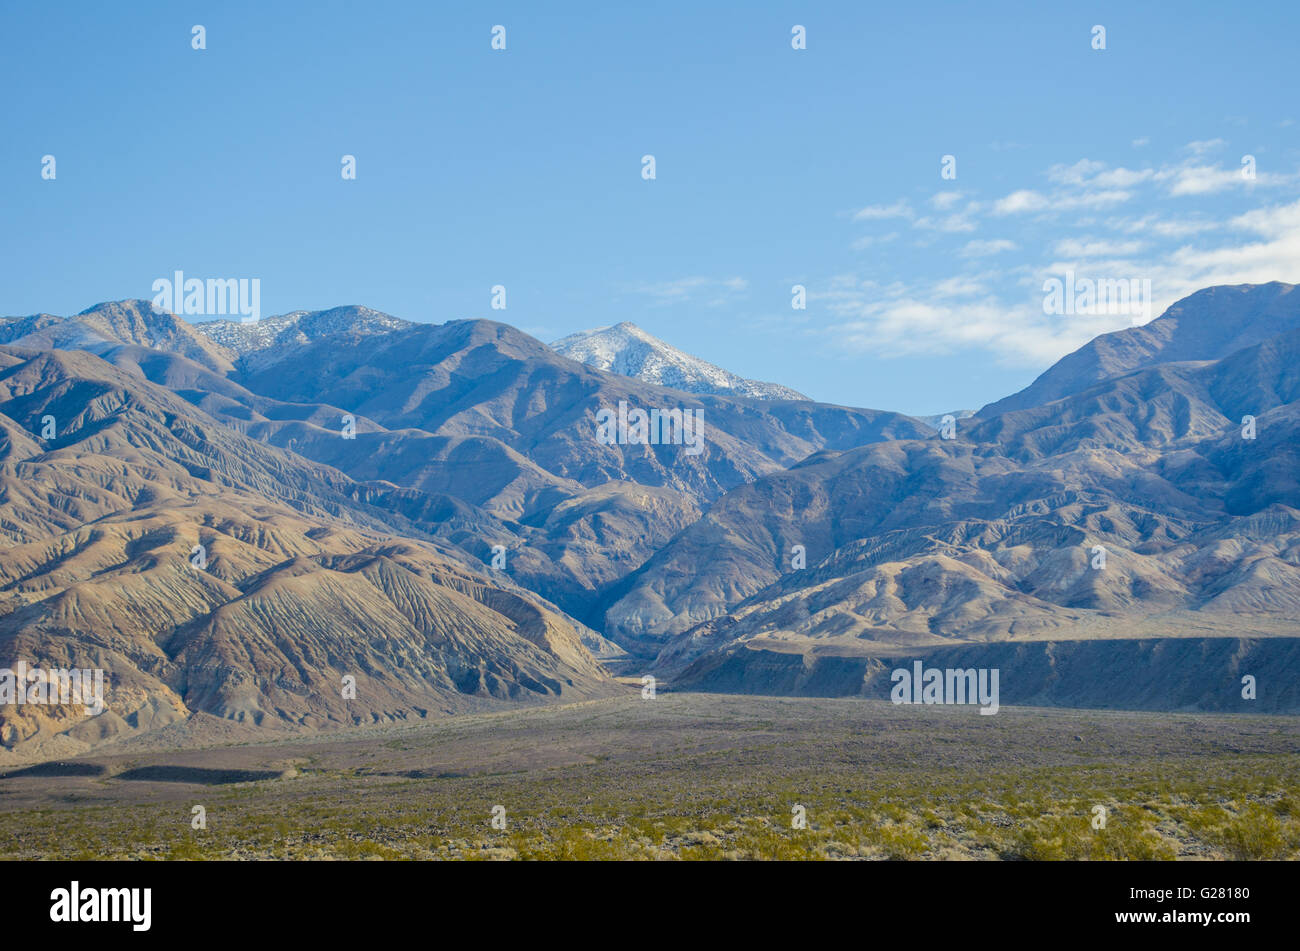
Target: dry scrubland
<point>690,776</point>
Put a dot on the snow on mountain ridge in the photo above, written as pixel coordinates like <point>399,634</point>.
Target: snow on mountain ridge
<point>628,350</point>
<point>297,328</point>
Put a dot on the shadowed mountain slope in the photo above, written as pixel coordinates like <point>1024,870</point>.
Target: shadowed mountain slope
<point>299,582</point>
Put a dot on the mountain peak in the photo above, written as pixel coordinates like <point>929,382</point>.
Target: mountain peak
<point>627,350</point>
<point>109,324</point>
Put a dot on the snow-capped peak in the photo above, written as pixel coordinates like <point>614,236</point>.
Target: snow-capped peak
<point>628,350</point>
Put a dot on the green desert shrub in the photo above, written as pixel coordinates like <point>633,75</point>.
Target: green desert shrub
<point>1256,833</point>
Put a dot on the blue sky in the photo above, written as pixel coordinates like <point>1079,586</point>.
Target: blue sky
<point>774,167</point>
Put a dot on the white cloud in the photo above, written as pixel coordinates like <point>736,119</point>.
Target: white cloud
<point>953,224</point>
<point>1122,177</point>
<point>1078,222</point>
<point>1203,179</point>
<point>961,313</point>
<point>1182,229</point>
<point>705,290</point>
<point>1020,201</point>
<point>926,323</point>
<point>899,209</point>
<point>1073,248</point>
<point>867,241</point>
<point>1075,174</point>
<point>980,249</point>
<point>958,287</point>
<point>1274,256</point>
<point>1275,222</point>
<point>1026,200</point>
<point>1093,199</point>
<point>1164,227</point>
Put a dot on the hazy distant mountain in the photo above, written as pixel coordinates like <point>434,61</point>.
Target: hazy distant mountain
<point>628,350</point>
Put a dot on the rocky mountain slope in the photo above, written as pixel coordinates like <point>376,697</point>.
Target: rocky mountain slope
<point>995,535</point>
<point>486,426</point>
<point>301,580</point>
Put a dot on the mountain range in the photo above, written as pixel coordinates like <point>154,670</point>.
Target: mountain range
<point>428,510</point>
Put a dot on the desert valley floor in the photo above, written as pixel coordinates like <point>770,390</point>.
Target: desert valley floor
<point>685,776</point>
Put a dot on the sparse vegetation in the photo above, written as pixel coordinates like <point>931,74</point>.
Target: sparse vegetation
<point>684,777</point>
